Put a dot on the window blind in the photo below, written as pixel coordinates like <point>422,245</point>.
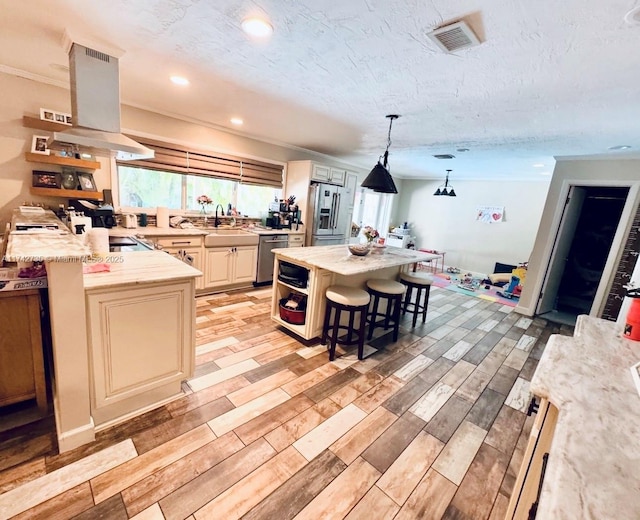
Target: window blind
<point>176,158</point>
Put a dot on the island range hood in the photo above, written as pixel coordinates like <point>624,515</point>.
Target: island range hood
<point>95,108</point>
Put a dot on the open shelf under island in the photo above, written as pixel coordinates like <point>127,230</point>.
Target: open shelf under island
<point>329,265</point>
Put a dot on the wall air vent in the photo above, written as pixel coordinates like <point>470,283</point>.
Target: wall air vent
<point>445,156</point>
<point>454,37</point>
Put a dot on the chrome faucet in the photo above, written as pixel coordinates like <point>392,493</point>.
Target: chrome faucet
<point>216,220</point>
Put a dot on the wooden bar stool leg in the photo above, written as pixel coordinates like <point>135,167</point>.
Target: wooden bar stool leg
<point>325,326</point>
<point>426,303</point>
<point>417,306</point>
<point>363,324</point>
<point>407,299</point>
<point>374,313</point>
<point>389,311</point>
<point>352,315</point>
<point>397,303</point>
<point>334,337</point>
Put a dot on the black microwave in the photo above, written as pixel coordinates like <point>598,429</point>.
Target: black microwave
<point>293,274</point>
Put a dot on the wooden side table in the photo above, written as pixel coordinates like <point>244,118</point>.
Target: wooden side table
<point>22,375</point>
<point>438,265</point>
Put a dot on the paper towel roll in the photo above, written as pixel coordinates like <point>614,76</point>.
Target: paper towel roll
<point>99,240</point>
<point>162,217</point>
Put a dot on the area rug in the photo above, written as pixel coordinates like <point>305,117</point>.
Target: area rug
<point>490,294</point>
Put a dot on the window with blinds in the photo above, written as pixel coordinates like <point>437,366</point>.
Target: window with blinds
<point>176,158</point>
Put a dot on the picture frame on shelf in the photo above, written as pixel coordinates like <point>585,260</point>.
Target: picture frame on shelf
<point>39,145</point>
<point>86,182</point>
<point>47,114</point>
<point>68,180</point>
<point>43,179</point>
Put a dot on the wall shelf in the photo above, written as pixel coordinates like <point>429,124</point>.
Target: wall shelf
<point>66,194</point>
<point>42,124</point>
<point>61,161</point>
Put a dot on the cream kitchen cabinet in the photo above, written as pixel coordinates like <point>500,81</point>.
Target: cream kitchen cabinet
<point>231,265</point>
<point>296,240</point>
<point>184,248</point>
<point>141,346</point>
<point>321,173</point>
<point>525,495</point>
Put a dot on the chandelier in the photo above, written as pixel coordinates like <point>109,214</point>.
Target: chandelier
<point>446,188</point>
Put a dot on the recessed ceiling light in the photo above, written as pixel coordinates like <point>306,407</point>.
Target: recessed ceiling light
<point>620,147</point>
<point>538,165</point>
<point>633,16</point>
<point>236,121</point>
<point>545,173</point>
<point>462,149</point>
<point>257,27</point>
<point>179,80</point>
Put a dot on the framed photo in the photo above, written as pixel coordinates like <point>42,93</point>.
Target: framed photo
<point>68,180</point>
<point>39,144</point>
<point>86,181</point>
<point>60,118</point>
<point>47,114</point>
<point>43,179</point>
<point>67,118</point>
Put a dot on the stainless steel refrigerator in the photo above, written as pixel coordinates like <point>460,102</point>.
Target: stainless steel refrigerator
<point>327,214</point>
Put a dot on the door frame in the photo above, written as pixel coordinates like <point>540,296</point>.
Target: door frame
<point>617,245</point>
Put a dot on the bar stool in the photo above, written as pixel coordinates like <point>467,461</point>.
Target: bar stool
<point>421,282</point>
<point>391,291</point>
<point>352,300</point>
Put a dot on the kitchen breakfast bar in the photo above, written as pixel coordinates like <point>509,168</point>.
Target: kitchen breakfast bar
<point>333,265</point>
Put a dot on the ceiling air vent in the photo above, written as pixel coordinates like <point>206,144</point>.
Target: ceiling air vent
<point>445,156</point>
<point>454,37</point>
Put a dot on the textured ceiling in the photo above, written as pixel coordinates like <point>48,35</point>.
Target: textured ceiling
<point>549,79</point>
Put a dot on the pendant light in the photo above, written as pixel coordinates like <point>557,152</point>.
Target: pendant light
<point>379,179</point>
<point>446,189</point>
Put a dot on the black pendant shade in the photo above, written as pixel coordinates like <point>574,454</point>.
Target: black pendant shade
<point>445,189</point>
<point>379,179</point>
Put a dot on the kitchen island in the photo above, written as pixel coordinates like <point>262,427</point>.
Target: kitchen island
<point>331,265</point>
<point>121,340</point>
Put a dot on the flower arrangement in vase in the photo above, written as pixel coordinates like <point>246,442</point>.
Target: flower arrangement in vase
<point>370,234</point>
<point>204,201</point>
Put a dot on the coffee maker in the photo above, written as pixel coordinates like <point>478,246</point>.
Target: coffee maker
<point>101,215</point>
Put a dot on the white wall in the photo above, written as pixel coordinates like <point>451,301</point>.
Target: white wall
<point>587,171</point>
<point>448,223</point>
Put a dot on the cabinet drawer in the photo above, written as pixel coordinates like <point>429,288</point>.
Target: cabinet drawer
<point>296,240</point>
<point>179,241</point>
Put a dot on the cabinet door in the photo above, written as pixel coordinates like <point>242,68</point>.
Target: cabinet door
<point>131,356</point>
<point>337,176</point>
<point>245,263</point>
<point>320,173</point>
<point>21,360</point>
<point>219,266</point>
<point>196,254</point>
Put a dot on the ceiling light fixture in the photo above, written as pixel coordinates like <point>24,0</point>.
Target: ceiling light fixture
<point>257,27</point>
<point>179,80</point>
<point>379,179</point>
<point>538,165</point>
<point>620,147</point>
<point>445,189</point>
<point>236,121</point>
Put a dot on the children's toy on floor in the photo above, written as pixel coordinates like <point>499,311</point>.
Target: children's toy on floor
<point>513,290</point>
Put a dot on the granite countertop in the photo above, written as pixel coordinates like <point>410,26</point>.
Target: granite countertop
<point>594,461</point>
<point>43,245</point>
<point>151,231</point>
<point>337,259</point>
<point>140,267</point>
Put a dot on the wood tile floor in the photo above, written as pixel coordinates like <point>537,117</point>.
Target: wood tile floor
<point>432,426</point>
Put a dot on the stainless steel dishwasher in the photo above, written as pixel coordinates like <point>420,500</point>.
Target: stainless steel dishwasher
<point>266,257</point>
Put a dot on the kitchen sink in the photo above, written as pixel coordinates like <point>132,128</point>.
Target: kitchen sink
<point>230,237</point>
